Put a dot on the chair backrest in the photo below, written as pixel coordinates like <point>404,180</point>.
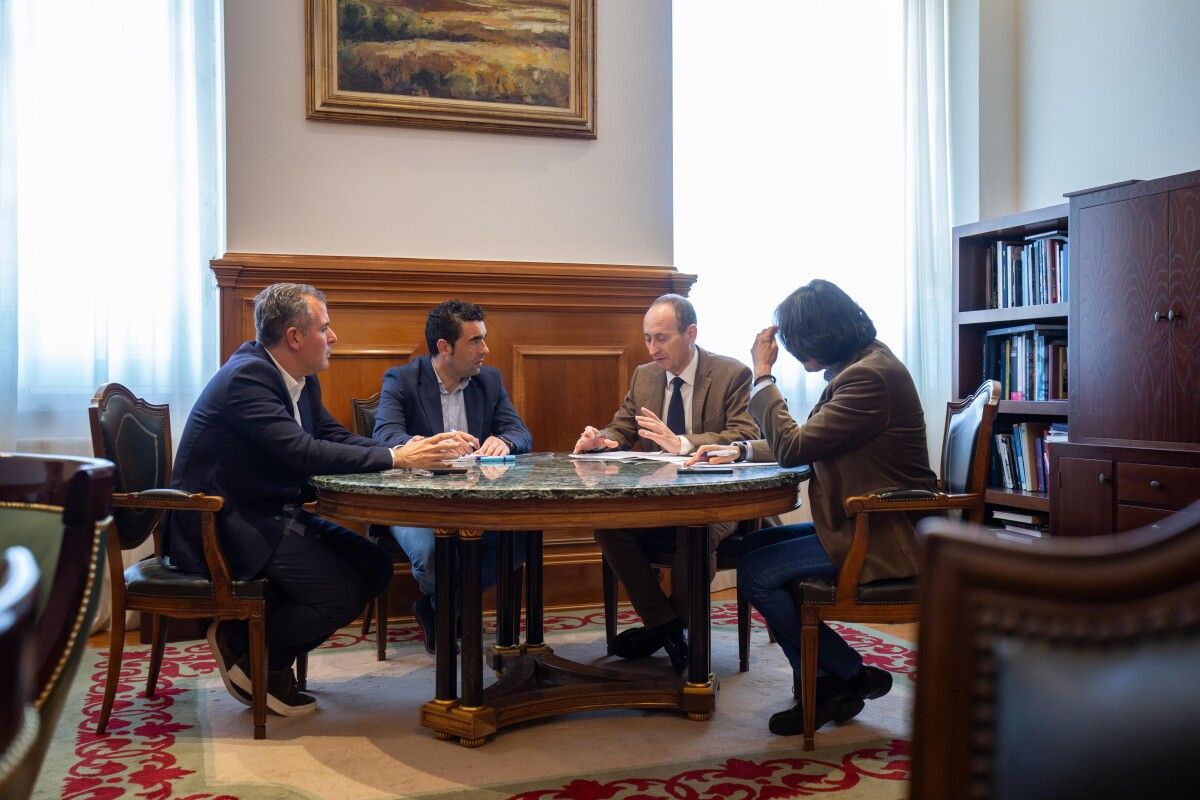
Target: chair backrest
<point>967,439</point>
<point>1060,669</point>
<point>19,720</point>
<point>362,414</point>
<point>67,502</point>
<point>136,437</point>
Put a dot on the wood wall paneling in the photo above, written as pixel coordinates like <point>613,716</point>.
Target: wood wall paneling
<point>565,336</point>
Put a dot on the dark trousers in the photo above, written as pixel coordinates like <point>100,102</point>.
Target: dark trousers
<point>769,559</point>
<point>322,576</point>
<point>625,554</point>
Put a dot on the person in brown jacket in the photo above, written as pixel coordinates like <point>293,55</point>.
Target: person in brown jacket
<point>684,398</point>
<point>866,432</point>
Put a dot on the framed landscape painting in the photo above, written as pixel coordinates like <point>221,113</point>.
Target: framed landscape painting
<point>510,66</point>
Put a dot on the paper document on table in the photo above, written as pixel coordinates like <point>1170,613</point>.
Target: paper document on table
<point>671,458</point>
<point>608,455</point>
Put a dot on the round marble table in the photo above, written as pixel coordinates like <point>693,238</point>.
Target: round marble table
<point>552,490</point>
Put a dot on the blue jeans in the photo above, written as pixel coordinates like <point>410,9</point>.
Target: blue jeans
<point>769,559</point>
<point>418,543</point>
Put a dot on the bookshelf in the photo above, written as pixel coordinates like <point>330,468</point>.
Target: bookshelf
<point>976,256</point>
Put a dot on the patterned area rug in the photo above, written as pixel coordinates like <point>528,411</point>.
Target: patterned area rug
<point>193,741</point>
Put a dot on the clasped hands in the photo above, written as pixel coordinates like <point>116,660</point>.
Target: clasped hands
<point>437,451</point>
<point>649,427</point>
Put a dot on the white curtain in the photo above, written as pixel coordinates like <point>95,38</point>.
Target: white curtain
<point>111,206</point>
<point>789,165</point>
<point>928,261</point>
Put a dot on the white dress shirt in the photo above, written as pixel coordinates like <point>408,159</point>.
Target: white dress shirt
<point>685,394</point>
<point>294,388</point>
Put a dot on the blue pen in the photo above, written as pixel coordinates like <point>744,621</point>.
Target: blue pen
<point>497,459</point>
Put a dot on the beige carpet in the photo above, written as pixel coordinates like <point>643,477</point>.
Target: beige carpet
<point>194,741</point>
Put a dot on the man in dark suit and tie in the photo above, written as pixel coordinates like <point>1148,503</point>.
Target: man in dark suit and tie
<point>703,397</point>
<point>449,390</point>
<point>255,434</point>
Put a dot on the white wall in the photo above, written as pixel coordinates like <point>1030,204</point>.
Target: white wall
<point>1093,92</point>
<point>1109,90</point>
<point>300,186</point>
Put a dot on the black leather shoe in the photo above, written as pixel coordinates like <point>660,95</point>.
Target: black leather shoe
<point>837,708</point>
<point>677,648</point>
<point>641,642</point>
<point>869,683</point>
<point>422,609</point>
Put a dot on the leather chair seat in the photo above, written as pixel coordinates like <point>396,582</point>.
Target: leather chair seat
<point>821,591</point>
<point>152,578</point>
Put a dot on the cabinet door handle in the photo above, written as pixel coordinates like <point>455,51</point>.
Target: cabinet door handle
<point>1103,478</point>
<point>1159,316</point>
<point>1155,485</point>
<point>1173,315</point>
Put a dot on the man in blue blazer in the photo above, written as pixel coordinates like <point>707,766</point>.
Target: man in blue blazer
<point>255,434</point>
<point>448,390</point>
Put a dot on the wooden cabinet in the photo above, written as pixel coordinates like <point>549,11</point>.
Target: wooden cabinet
<point>1134,362</point>
<point>1101,489</point>
<point>1137,293</point>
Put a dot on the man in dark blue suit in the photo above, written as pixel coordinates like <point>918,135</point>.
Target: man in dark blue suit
<point>255,434</point>
<point>448,390</point>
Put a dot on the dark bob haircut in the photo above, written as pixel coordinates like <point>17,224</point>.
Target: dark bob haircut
<point>820,321</point>
<point>445,322</point>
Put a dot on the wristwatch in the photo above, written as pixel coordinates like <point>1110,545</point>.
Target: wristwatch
<point>761,378</point>
<point>743,448</point>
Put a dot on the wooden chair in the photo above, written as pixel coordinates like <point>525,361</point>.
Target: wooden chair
<point>663,558</point>
<point>19,577</point>
<point>136,436</point>
<point>966,447</point>
<point>1064,668</point>
<point>58,508</point>
<point>362,422</point>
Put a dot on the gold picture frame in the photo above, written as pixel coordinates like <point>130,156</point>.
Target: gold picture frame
<point>501,66</point>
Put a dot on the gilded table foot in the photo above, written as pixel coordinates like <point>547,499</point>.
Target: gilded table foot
<point>450,720</point>
<point>699,699</point>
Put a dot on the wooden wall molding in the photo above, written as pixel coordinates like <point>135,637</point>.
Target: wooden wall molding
<point>565,336</point>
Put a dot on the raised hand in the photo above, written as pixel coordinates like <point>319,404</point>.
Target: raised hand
<point>591,440</point>
<point>764,351</point>
<point>652,428</point>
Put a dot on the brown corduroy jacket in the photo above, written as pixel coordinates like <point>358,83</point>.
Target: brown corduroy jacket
<point>866,432</point>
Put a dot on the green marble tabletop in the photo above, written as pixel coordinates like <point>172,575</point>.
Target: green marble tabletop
<point>557,476</point>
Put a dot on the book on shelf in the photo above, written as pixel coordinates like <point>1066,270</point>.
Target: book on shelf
<point>1056,433</point>
<point>1032,525</point>
<point>1004,451</point>
<point>1028,360</point>
<point>1006,515</point>
<point>1029,271</point>
<point>1022,461</point>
